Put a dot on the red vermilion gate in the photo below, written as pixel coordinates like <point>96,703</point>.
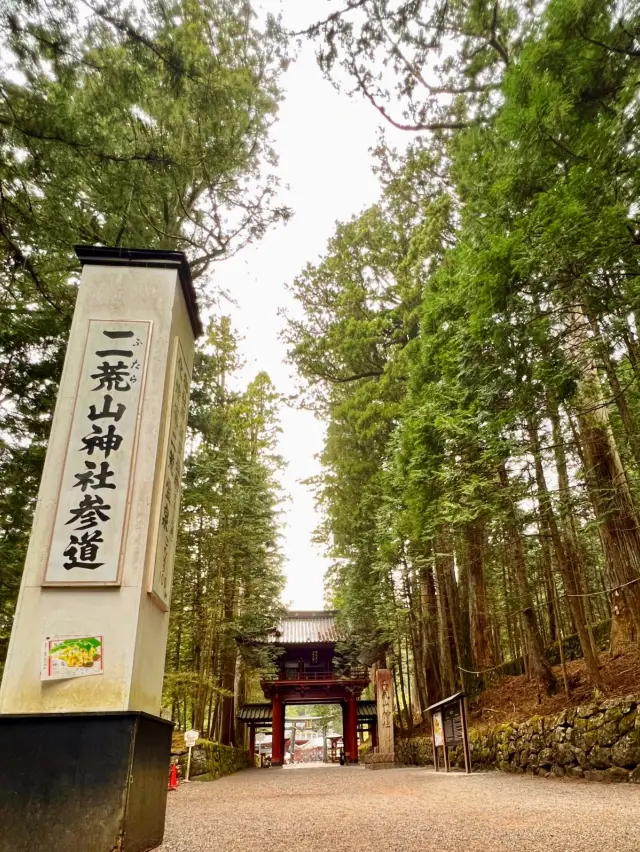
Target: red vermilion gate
<point>306,675</point>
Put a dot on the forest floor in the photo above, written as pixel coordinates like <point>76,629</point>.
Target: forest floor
<point>515,699</point>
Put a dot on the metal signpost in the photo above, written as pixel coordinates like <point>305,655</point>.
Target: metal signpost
<point>190,739</point>
<point>449,728</point>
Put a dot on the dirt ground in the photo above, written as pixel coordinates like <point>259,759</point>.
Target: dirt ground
<point>351,809</point>
<point>515,699</point>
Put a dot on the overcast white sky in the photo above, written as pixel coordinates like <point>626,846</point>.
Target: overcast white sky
<point>322,138</point>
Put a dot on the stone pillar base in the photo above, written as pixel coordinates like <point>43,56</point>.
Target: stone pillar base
<point>91,782</point>
<point>378,760</point>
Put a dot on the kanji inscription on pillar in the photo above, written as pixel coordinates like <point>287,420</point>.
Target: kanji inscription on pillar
<point>86,543</point>
<point>169,508</point>
<point>384,701</point>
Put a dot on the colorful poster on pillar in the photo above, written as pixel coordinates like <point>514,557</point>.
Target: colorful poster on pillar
<point>88,532</point>
<point>72,656</point>
<point>168,506</point>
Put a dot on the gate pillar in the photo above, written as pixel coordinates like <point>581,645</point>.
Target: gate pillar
<point>277,732</point>
<point>353,729</point>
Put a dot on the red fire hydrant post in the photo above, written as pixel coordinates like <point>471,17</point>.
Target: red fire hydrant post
<point>173,777</point>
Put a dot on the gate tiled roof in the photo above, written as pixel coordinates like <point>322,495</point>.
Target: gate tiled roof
<point>255,713</point>
<point>367,711</point>
<point>304,628</point>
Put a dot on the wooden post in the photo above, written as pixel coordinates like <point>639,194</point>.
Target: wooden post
<point>374,735</point>
<point>465,736</point>
<point>435,747</point>
<point>252,744</point>
<point>345,731</point>
<point>445,749</point>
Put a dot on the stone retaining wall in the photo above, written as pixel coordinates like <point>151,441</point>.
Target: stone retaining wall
<point>210,761</point>
<point>599,741</point>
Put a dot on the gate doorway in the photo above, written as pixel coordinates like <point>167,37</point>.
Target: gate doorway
<point>308,674</point>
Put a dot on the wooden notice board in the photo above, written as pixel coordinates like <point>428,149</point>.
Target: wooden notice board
<point>449,729</point>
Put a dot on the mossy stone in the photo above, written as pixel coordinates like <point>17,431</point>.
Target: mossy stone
<point>564,754</point>
<point>545,758</point>
<point>627,722</point>
<point>600,758</point>
<point>581,757</point>
<point>596,775</point>
<point>561,719</point>
<point>634,775</point>
<point>595,722</point>
<point>575,772</point>
<point>616,773</point>
<point>584,711</point>
<point>614,714</point>
<point>626,752</point>
<point>608,734</point>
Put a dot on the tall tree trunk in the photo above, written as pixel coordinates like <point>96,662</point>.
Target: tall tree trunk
<point>419,664</point>
<point>513,650</point>
<point>239,688</point>
<point>479,618</point>
<point>567,521</point>
<point>445,628</point>
<point>567,570</point>
<point>547,572</point>
<point>541,670</point>
<point>611,496</point>
<point>429,634</point>
<point>619,396</point>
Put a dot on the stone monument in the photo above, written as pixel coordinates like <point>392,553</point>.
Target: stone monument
<point>384,756</point>
<point>85,755</point>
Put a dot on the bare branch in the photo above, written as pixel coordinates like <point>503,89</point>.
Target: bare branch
<point>493,41</point>
<point>314,28</point>
<point>434,125</point>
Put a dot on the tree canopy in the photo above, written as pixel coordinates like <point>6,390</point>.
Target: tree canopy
<point>472,340</point>
<point>144,125</point>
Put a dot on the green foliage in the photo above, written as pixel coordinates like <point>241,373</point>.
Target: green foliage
<point>142,125</point>
<point>228,576</point>
<point>473,341</point>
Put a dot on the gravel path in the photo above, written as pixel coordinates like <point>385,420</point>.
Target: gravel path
<point>333,808</point>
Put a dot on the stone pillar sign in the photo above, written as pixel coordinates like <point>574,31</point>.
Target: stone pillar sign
<point>82,684</point>
<point>384,706</point>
